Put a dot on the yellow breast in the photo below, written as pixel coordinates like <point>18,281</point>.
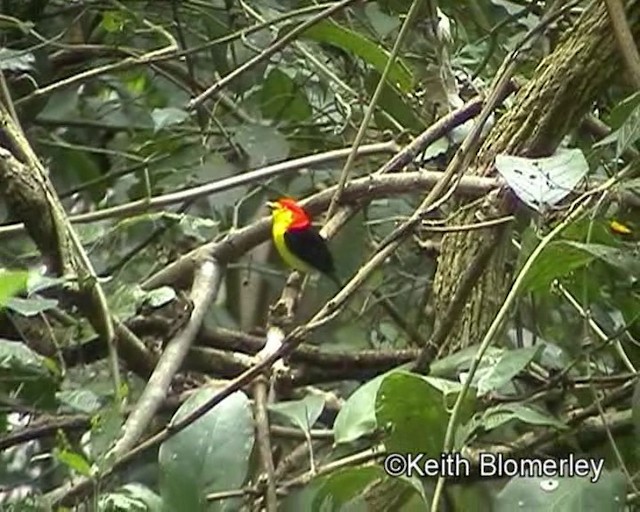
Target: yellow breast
<point>281,221</point>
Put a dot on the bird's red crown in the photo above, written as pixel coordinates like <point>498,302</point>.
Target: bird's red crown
<point>300,218</point>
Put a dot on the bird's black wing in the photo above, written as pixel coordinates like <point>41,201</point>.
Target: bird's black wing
<point>309,245</point>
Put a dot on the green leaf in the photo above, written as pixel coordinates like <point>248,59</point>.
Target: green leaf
<point>38,282</point>
<point>12,282</point>
<point>79,400</point>
<point>357,417</point>
<point>341,486</point>
<point>509,365</point>
<point>263,144</point>
<point>436,148</point>
<point>74,461</point>
<point>160,296</point>
<point>106,428</point>
<point>524,413</point>
<point>453,364</point>
<point>32,306</point>
<point>132,497</point>
<point>629,132</point>
<point>394,104</point>
<point>409,405</point>
<point>621,258</point>
<point>16,356</point>
<point>282,98</point>
<point>210,455</point>
<point>165,117</point>
<point>113,21</point>
<point>329,32</point>
<point>557,260</point>
<point>564,494</point>
<point>300,413</point>
<point>381,22</point>
<point>31,377</point>
<point>620,112</point>
<point>16,60</point>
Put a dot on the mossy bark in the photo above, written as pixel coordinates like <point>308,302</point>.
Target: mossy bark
<point>564,88</point>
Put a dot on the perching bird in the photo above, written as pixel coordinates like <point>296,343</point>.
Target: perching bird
<point>300,244</point>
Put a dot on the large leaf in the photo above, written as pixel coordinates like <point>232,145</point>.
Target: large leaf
<point>453,364</point>
<point>557,260</point>
<point>621,258</point>
<point>500,414</point>
<point>509,365</point>
<point>410,406</point>
<point>165,117</point>
<point>263,144</point>
<point>282,98</point>
<point>629,131</point>
<point>357,417</point>
<point>343,486</point>
<point>300,413</point>
<point>395,105</point>
<point>368,488</point>
<point>331,33</point>
<point>564,494</point>
<point>212,454</point>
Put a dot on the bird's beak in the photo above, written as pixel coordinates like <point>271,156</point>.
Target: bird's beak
<point>271,205</point>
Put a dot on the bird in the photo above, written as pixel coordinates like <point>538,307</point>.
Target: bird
<point>299,243</point>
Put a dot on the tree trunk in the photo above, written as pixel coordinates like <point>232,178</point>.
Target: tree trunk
<point>566,84</point>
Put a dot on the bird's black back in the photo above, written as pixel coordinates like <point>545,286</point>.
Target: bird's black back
<point>309,245</point>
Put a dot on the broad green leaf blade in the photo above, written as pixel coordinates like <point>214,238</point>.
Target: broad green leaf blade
<point>130,498</point>
<point>564,494</point>
<point>408,406</point>
<point>629,132</point>
<point>32,306</point>
<point>79,400</point>
<point>300,413</point>
<point>16,356</point>
<point>342,486</point>
<point>557,260</point>
<point>74,461</point>
<point>282,98</point>
<point>509,365</point>
<point>12,282</point>
<point>395,105</point>
<point>212,454</point>
<point>453,364</point>
<point>357,417</point>
<point>500,414</point>
<point>160,296</point>
<point>330,32</point>
<point>263,144</point>
<point>165,117</point>
<point>621,258</point>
